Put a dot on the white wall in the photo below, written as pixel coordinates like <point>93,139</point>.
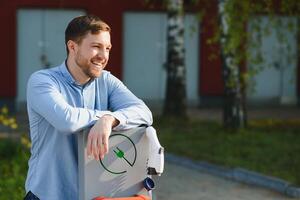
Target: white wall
<point>277,81</point>
<point>145,55</point>
<point>40,32</point>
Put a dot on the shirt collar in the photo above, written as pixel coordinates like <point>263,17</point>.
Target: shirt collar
<point>65,72</point>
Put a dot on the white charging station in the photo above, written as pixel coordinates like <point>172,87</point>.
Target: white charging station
<point>122,171</point>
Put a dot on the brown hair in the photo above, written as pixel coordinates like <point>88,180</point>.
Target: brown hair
<point>82,25</point>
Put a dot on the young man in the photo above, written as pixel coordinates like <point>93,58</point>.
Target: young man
<point>76,95</point>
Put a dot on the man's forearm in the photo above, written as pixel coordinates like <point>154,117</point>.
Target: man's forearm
<point>132,117</point>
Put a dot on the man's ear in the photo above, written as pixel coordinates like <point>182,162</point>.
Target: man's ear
<point>71,46</point>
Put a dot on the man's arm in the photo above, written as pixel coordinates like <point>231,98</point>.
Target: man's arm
<point>126,107</point>
<point>127,112</point>
<point>43,97</point>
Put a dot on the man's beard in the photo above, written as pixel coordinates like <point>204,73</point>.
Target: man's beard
<point>87,67</point>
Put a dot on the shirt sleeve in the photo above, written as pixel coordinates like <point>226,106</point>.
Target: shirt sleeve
<point>44,97</point>
<point>125,106</point>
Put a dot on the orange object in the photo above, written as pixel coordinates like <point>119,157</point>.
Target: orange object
<point>136,197</point>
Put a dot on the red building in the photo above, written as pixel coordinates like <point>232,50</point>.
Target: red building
<point>32,37</point>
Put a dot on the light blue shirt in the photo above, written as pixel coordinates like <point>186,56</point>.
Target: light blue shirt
<point>58,108</point>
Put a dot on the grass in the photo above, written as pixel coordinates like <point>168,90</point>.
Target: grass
<point>13,169</point>
<point>269,147</point>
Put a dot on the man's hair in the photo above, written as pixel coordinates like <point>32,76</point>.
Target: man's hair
<point>80,26</point>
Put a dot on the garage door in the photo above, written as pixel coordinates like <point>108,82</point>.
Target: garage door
<point>145,55</point>
<point>40,43</point>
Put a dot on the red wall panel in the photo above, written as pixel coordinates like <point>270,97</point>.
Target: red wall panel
<point>211,82</point>
<point>8,50</point>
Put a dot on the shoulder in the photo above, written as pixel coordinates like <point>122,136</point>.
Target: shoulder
<point>105,74</point>
<point>108,76</point>
<point>109,81</point>
<point>44,76</point>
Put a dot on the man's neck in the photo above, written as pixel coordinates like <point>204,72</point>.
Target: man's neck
<point>76,72</point>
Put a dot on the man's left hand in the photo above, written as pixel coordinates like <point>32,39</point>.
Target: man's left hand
<point>97,143</point>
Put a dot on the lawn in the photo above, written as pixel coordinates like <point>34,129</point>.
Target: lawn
<point>269,147</point>
<point>13,169</point>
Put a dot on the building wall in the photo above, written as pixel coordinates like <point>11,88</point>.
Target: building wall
<point>276,78</point>
<point>111,11</point>
<point>210,74</point>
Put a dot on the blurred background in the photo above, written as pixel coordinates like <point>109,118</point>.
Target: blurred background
<point>237,101</point>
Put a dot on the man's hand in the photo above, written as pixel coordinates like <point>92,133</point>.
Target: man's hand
<point>97,143</point>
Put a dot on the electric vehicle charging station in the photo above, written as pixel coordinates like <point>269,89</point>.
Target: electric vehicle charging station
<point>134,155</point>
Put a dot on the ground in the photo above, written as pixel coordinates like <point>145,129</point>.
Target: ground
<point>178,182</point>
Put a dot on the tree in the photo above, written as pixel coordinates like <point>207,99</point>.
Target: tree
<point>175,101</point>
<point>233,37</point>
<point>233,111</point>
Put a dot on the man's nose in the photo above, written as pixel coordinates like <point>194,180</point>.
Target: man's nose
<point>101,54</point>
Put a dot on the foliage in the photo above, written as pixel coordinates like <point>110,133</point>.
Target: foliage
<point>6,120</point>
<point>240,42</point>
<point>14,154</point>
<point>13,168</point>
<point>270,147</point>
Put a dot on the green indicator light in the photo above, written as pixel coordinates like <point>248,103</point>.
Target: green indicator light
<point>121,154</point>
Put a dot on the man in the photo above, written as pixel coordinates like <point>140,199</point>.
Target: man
<point>76,95</point>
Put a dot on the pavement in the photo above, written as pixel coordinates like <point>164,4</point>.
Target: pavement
<point>178,182</point>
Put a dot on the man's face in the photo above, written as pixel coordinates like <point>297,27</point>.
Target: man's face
<point>92,54</point>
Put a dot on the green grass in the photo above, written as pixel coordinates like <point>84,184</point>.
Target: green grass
<point>268,147</point>
<point>13,169</point>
